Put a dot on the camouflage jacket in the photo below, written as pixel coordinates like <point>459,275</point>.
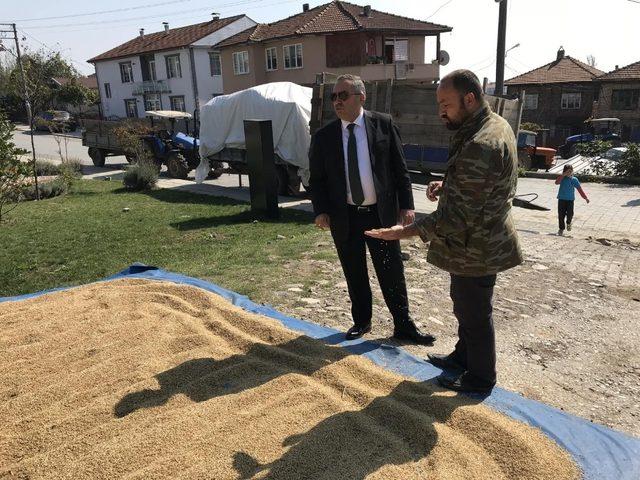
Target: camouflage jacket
<point>472,231</point>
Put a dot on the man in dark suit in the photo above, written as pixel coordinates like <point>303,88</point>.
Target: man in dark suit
<point>360,181</point>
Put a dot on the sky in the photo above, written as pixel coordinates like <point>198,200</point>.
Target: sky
<point>606,29</point>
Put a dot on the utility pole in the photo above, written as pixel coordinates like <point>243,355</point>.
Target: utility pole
<point>502,35</point>
<point>27,102</point>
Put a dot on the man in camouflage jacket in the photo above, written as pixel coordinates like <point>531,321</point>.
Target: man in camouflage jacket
<point>472,235</point>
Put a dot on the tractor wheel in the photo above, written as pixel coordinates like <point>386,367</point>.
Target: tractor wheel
<point>97,156</point>
<point>524,160</point>
<point>282,180</point>
<point>216,170</point>
<point>177,166</point>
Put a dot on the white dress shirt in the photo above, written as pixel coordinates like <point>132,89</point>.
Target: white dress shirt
<point>364,161</point>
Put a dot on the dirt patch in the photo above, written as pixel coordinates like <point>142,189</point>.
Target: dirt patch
<point>566,320</point>
<point>154,380</point>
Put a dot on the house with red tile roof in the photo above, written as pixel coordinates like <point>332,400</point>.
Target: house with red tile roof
<point>619,97</point>
<point>336,37</point>
<point>559,96</point>
<point>174,69</point>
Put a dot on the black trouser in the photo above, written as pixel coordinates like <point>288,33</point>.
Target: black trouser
<point>472,306</point>
<point>565,209</point>
<point>387,262</point>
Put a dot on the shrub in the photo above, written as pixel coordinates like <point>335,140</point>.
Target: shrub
<point>45,168</point>
<point>50,189</point>
<point>12,171</point>
<point>593,149</point>
<point>141,176</point>
<point>629,163</point>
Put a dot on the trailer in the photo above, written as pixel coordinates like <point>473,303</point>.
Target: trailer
<point>414,109</point>
<point>163,135</point>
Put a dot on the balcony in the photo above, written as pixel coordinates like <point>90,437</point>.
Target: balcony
<point>152,86</point>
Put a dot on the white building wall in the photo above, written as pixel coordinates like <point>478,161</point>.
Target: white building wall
<point>108,71</point>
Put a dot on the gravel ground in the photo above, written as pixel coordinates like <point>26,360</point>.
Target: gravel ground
<point>566,320</point>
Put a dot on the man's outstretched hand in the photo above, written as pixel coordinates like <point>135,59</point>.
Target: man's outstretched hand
<point>393,233</point>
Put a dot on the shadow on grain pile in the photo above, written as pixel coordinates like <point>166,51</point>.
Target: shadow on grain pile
<point>149,379</point>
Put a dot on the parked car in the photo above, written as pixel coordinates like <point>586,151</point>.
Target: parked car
<point>55,120</point>
<point>615,153</point>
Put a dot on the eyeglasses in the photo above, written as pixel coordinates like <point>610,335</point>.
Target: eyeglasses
<point>343,95</point>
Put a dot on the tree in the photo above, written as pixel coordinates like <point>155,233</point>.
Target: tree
<point>591,60</point>
<point>13,172</point>
<point>76,94</point>
<point>39,69</point>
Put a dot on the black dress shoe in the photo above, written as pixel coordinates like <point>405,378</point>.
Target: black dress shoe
<point>411,333</point>
<point>464,383</point>
<point>357,331</point>
<point>445,362</point>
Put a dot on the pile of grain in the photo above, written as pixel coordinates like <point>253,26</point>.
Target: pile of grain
<point>142,379</point>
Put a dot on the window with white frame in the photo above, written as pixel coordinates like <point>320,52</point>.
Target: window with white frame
<point>272,59</point>
<point>126,72</point>
<point>177,103</point>
<point>173,66</point>
<point>131,108</point>
<point>530,101</point>
<point>292,56</point>
<point>571,101</point>
<point>152,102</point>
<point>215,66</point>
<point>240,63</point>
<point>107,90</point>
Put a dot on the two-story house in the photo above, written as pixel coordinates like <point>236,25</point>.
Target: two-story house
<point>620,98</point>
<point>174,69</point>
<point>337,37</point>
<point>559,96</point>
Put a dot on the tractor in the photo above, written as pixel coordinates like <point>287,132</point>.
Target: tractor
<point>532,157</point>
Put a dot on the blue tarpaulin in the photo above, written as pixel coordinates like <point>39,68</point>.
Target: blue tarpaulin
<point>600,452</point>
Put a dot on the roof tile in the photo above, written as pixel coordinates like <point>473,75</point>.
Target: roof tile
<point>630,72</point>
<point>336,16</point>
<point>174,38</point>
<point>565,70</point>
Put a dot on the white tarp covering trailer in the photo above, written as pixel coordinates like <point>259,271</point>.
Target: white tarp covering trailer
<point>286,104</point>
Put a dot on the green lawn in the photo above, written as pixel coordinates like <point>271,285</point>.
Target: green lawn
<point>86,235</point>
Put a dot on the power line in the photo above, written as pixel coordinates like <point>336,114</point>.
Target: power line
<point>173,14</point>
<point>439,8</point>
<point>150,5</point>
<point>49,48</point>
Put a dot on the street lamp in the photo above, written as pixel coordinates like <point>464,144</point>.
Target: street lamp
<point>509,49</point>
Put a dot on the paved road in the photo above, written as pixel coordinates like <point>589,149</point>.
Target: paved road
<point>614,210</point>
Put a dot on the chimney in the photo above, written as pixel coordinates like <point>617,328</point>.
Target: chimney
<point>616,67</point>
<point>560,54</point>
<point>305,7</point>
<point>367,11</point>
<point>141,32</point>
<point>215,16</point>
<point>166,26</point>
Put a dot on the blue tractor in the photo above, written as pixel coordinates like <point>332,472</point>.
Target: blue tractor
<point>177,150</point>
<point>605,129</point>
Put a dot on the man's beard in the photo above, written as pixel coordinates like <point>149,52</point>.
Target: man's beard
<point>464,114</point>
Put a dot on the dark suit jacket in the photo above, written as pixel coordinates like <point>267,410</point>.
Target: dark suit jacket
<point>390,175</point>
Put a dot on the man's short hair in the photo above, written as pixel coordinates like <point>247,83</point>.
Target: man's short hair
<point>464,81</point>
<point>356,81</point>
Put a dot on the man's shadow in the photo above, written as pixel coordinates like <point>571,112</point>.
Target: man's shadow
<point>395,429</point>
<point>204,378</point>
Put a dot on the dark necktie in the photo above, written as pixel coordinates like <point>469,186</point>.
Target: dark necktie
<point>354,174</point>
